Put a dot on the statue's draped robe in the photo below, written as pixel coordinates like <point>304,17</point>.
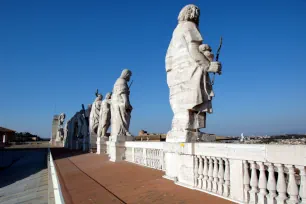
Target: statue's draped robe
<point>82,127</point>
<point>94,116</point>
<point>105,116</point>
<point>189,83</point>
<point>66,132</point>
<point>120,116</point>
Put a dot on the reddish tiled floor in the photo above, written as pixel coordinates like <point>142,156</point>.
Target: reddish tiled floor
<point>91,178</point>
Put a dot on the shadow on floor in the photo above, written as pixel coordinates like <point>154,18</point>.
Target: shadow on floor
<point>18,164</point>
<point>62,153</point>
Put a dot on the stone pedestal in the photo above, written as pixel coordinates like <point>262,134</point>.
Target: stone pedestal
<point>121,138</point>
<point>101,145</point>
<point>180,163</point>
<point>181,136</point>
<point>55,124</point>
<point>116,151</point>
<point>57,143</point>
<point>189,136</point>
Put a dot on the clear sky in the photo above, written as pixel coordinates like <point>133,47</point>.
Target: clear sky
<point>54,54</point>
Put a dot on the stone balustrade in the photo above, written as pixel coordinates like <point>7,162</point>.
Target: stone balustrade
<point>149,154</point>
<point>243,173</point>
<point>212,174</point>
<point>270,183</point>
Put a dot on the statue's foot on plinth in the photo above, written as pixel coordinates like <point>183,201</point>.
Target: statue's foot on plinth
<point>182,136</point>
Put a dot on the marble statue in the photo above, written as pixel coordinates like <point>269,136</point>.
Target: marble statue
<point>82,126</point>
<point>66,130</point>
<point>121,108</point>
<point>105,116</point>
<point>242,137</point>
<point>94,119</point>
<point>94,114</point>
<point>86,116</point>
<point>188,64</point>
<point>60,130</point>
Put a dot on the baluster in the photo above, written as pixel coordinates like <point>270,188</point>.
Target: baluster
<point>302,192</point>
<point>246,182</point>
<point>210,174</point>
<point>262,184</point>
<point>155,159</point>
<point>292,188</point>
<point>158,159</point>
<point>215,175</point>
<point>200,172</point>
<point>205,173</point>
<point>271,185</point>
<point>153,164</point>
<point>254,183</point>
<point>161,156</point>
<point>226,185</point>
<point>281,185</point>
<point>145,156</point>
<point>151,156</point>
<point>220,177</point>
<point>196,166</point>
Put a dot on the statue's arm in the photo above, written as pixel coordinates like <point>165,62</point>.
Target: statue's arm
<point>126,101</point>
<point>194,40</point>
<point>212,67</point>
<point>196,55</point>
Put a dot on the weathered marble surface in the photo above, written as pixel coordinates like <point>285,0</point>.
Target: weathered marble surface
<point>105,116</point>
<point>94,119</point>
<point>58,130</point>
<point>188,63</point>
<point>121,108</point>
<point>86,138</point>
<point>77,131</point>
<point>66,130</point>
<point>55,124</point>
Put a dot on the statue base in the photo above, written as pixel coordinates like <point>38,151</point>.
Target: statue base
<point>93,140</point>
<point>188,136</point>
<point>116,151</point>
<point>121,138</point>
<point>101,145</point>
<point>57,143</point>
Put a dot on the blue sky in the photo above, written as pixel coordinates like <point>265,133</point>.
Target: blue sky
<point>55,54</point>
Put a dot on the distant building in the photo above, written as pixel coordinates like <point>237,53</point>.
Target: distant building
<point>142,133</point>
<point>145,136</point>
<point>6,135</point>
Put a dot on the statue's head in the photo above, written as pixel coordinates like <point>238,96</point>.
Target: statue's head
<point>62,116</point>
<point>126,74</point>
<point>190,13</point>
<point>108,95</point>
<point>98,95</point>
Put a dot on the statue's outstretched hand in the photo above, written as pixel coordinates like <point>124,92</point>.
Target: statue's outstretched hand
<point>215,67</point>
